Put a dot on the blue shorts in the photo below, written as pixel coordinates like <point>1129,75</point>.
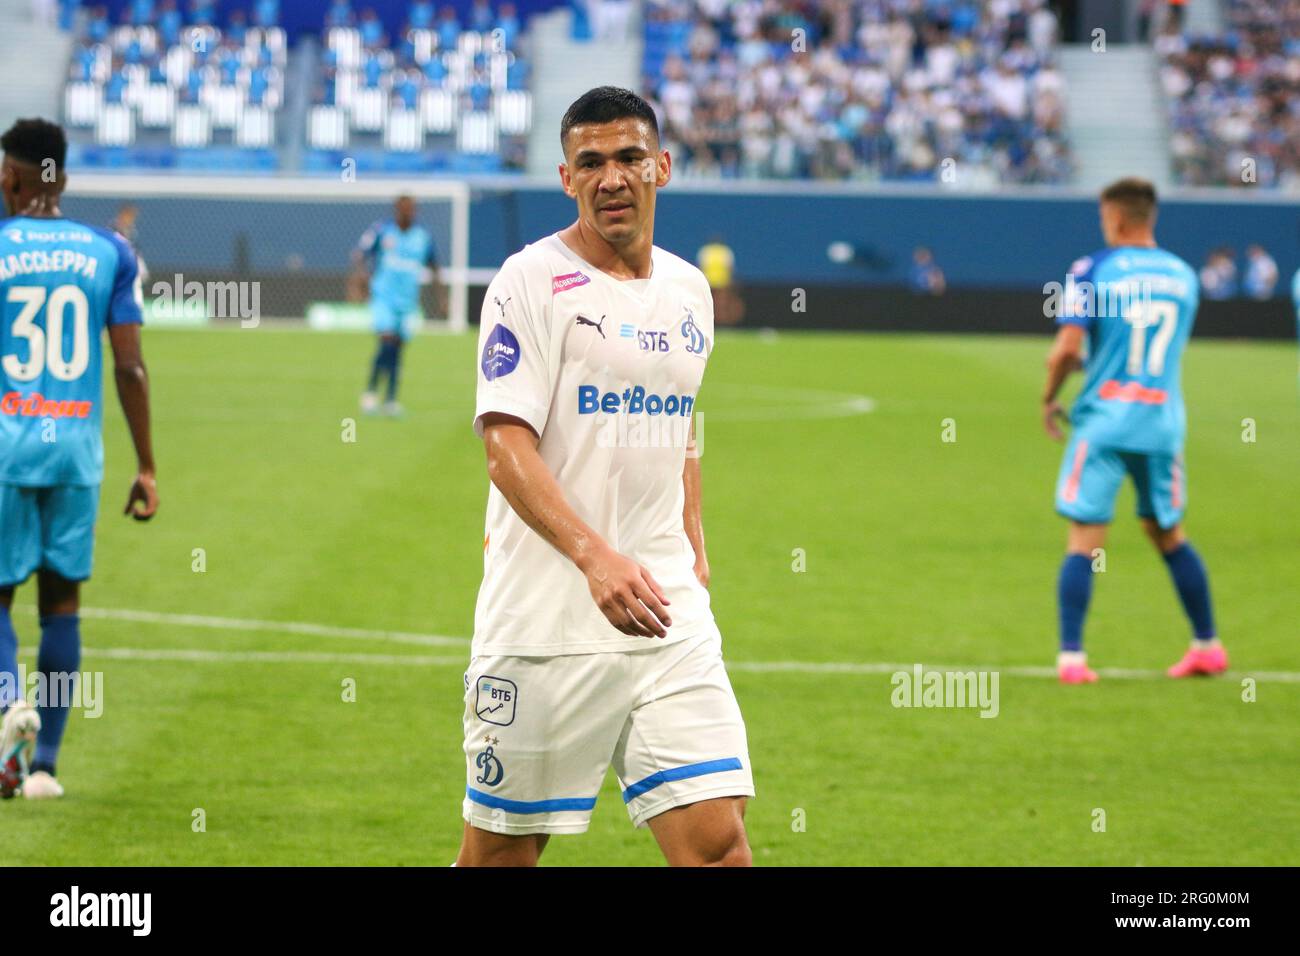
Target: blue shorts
<point>389,319</point>
<point>1091,475</point>
<point>47,528</point>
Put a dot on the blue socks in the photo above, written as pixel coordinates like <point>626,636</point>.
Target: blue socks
<point>9,689</point>
<point>58,660</point>
<point>1193,585</point>
<point>1073,591</point>
<point>394,359</point>
<point>386,362</point>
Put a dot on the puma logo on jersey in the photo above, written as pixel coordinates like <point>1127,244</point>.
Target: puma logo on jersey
<point>583,320</point>
<point>502,305</point>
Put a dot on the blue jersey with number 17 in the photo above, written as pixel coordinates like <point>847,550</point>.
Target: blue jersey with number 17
<point>1138,305</point>
<point>61,283</point>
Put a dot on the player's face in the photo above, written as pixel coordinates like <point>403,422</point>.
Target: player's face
<point>404,213</point>
<point>613,170</point>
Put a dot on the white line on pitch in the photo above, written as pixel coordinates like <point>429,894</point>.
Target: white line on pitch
<point>268,657</point>
<point>441,640</point>
<point>274,627</point>
<point>782,667</point>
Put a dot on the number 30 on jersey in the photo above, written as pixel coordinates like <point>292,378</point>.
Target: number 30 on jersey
<point>45,346</point>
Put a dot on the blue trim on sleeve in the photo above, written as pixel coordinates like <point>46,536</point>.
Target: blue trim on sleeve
<point>680,773</point>
<point>530,806</point>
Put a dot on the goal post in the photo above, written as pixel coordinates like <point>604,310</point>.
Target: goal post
<point>292,237</point>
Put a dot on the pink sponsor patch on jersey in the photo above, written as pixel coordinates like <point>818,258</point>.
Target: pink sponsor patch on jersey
<point>570,281</point>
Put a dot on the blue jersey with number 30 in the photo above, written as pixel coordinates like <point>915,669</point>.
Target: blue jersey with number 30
<point>1138,305</point>
<point>61,283</point>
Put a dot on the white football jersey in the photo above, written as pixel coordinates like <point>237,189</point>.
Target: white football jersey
<point>607,373</point>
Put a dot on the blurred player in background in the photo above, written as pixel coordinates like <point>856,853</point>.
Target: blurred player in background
<point>591,339</point>
<point>402,255</point>
<point>124,224</point>
<point>925,277</point>
<point>1295,300</point>
<point>718,263</point>
<point>1135,303</point>
<point>62,284</point>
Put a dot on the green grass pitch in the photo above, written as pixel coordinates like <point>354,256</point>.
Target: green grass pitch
<point>916,550</point>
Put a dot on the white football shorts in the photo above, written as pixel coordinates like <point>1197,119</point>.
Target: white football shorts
<point>541,732</point>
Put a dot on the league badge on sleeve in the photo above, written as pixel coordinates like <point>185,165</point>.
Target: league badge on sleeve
<point>495,700</point>
<point>500,353</point>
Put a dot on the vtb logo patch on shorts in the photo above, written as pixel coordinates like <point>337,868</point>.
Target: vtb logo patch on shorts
<point>495,699</point>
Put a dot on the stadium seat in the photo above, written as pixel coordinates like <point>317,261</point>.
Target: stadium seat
<point>327,128</point>
<point>157,106</point>
<point>477,133</point>
<point>193,127</point>
<point>404,131</point>
<point>115,126</point>
<point>513,111</point>
<point>438,110</point>
<point>82,104</point>
<point>224,104</point>
<point>255,128</point>
<point>369,108</point>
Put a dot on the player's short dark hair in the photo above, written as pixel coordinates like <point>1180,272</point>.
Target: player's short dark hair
<point>1135,196</point>
<point>34,141</point>
<point>605,104</point>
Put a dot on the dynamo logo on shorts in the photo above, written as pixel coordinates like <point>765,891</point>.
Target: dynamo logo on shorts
<point>500,353</point>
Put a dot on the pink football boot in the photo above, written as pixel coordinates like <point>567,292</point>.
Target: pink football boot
<point>1211,660</point>
<point>1077,674</point>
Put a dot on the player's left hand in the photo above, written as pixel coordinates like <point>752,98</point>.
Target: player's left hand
<point>142,502</point>
<point>1053,416</point>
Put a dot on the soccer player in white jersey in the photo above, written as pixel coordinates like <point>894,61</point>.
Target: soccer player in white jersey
<point>594,643</point>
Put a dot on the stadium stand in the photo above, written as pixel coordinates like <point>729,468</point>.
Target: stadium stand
<point>1234,98</point>
<point>157,85</point>
<point>204,90</point>
<point>874,89</point>
<point>447,94</point>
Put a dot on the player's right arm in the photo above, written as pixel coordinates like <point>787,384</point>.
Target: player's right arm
<point>626,593</point>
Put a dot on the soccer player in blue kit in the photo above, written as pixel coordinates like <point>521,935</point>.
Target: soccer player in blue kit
<point>401,251</point>
<point>62,284</point>
<point>1134,303</point>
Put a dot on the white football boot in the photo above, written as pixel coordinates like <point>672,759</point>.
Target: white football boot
<point>369,403</point>
<point>41,786</point>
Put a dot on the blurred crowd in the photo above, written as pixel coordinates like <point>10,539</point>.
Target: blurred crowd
<point>870,89</point>
<point>1235,98</point>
